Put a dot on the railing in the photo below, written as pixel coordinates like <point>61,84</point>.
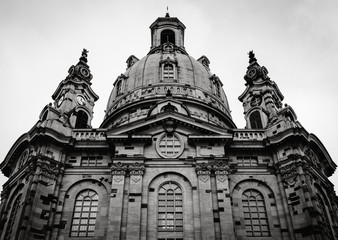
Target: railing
<point>248,135</point>
<point>92,134</point>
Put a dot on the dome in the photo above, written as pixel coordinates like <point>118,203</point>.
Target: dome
<point>168,71</point>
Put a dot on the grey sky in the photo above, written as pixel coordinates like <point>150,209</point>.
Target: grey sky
<point>296,40</point>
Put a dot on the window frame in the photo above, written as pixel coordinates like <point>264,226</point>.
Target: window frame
<point>170,209</point>
<point>253,219</point>
<point>81,206</point>
<point>12,217</point>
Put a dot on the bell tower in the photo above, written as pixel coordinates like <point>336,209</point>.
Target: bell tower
<point>262,99</point>
<point>74,97</point>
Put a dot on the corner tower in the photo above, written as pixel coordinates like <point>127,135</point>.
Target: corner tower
<point>74,97</point>
<point>262,99</point>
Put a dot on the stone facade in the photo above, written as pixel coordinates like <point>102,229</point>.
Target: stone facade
<point>167,161</point>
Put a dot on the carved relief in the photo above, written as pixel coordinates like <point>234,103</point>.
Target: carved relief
<point>183,91</point>
<point>118,169</point>
<point>289,174</point>
<point>49,169</point>
<point>222,170</point>
<point>136,169</point>
<point>203,171</point>
<point>118,178</point>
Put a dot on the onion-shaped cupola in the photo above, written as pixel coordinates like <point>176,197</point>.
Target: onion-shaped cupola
<point>167,71</point>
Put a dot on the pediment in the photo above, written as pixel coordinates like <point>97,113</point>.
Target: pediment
<point>155,123</point>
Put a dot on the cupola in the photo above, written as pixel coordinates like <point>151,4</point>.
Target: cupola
<point>167,30</point>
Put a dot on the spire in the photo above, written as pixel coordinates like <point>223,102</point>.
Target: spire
<point>167,13</point>
<point>254,70</point>
<point>81,71</point>
<point>252,57</point>
<point>84,56</point>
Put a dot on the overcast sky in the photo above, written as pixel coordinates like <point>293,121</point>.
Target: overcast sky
<point>296,40</point>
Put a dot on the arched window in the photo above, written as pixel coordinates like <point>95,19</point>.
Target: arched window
<point>84,215</point>
<point>11,221</point>
<point>255,215</point>
<point>255,120</point>
<point>167,36</point>
<point>81,120</point>
<point>325,223</point>
<point>170,208</point>
<point>168,71</point>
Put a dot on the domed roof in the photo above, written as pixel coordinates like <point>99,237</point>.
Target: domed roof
<point>167,70</point>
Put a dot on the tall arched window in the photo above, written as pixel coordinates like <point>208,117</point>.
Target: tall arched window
<point>255,216</point>
<point>168,71</point>
<point>11,221</point>
<point>325,223</point>
<point>167,36</point>
<point>81,120</point>
<point>170,208</point>
<point>255,120</point>
<point>84,215</point>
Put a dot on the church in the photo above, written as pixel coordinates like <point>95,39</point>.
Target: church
<point>168,162</point>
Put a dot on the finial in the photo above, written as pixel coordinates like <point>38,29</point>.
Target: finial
<point>84,55</point>
<point>167,13</point>
<point>252,57</point>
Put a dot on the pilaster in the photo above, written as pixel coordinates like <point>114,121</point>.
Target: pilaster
<point>118,171</point>
<point>203,171</point>
<point>222,171</point>
<point>136,171</point>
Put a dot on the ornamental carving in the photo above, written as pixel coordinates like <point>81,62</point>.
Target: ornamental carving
<point>118,178</point>
<point>118,169</point>
<point>221,168</point>
<point>50,170</point>
<point>137,169</point>
<point>203,168</point>
<point>289,174</point>
<point>135,178</point>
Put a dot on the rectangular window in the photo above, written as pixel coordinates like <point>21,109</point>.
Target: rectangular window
<point>168,71</point>
<point>92,161</point>
<point>247,161</point>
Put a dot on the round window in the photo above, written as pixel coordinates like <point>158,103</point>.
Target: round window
<point>169,145</point>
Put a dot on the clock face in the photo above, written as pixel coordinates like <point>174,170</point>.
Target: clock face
<point>84,72</point>
<point>80,100</point>
<point>60,101</point>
